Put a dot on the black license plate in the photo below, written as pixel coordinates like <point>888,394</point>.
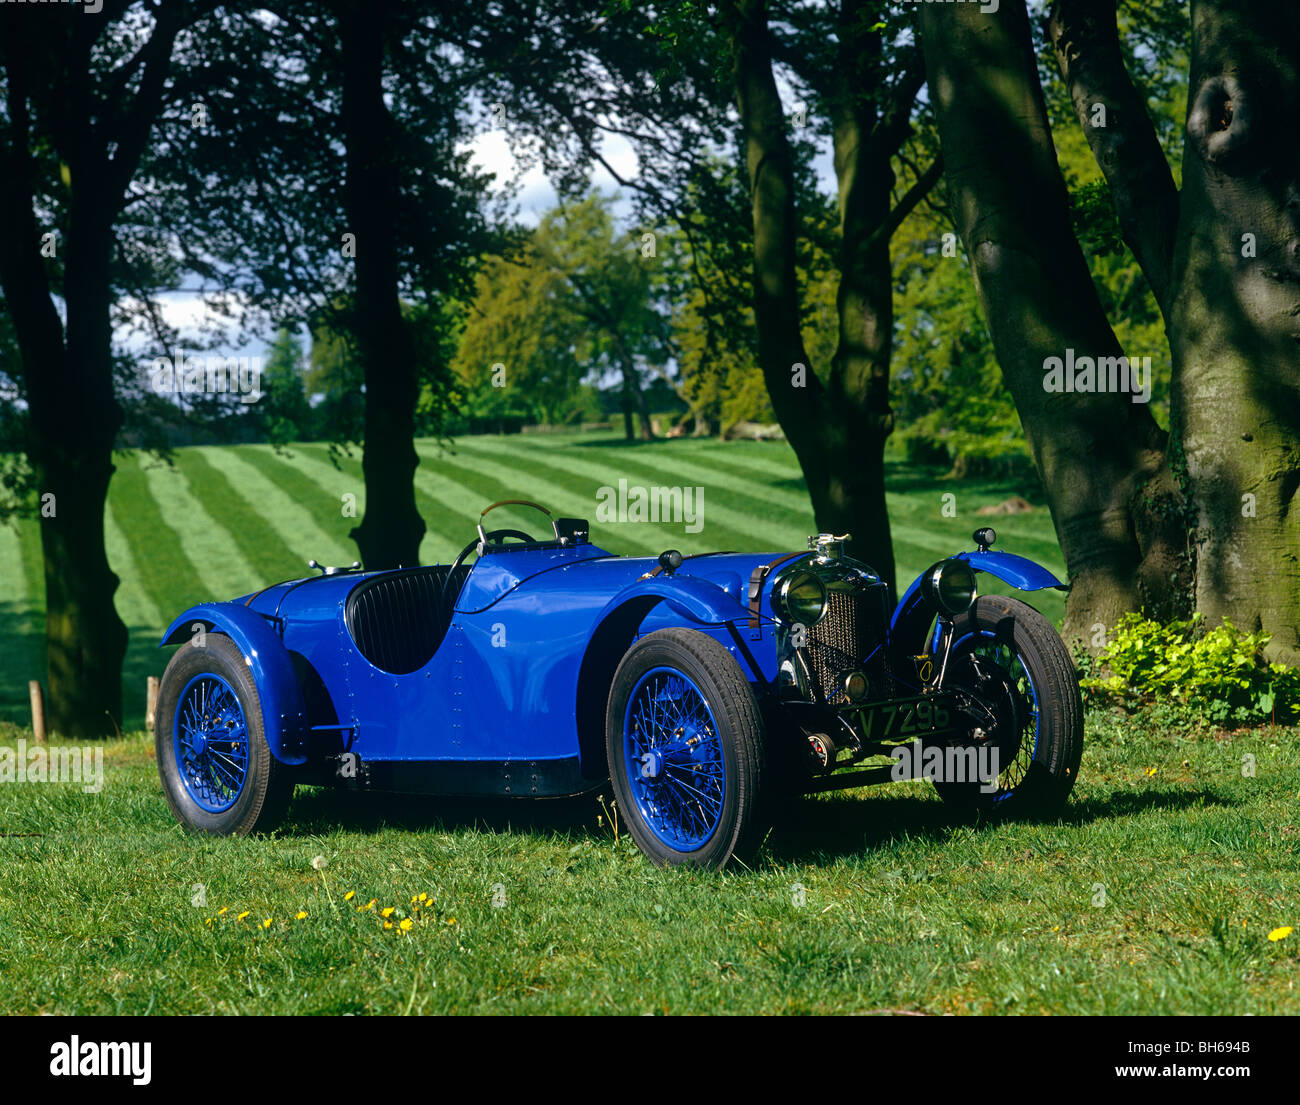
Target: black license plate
<point>905,718</point>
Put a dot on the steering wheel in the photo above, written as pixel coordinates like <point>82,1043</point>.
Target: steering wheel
<point>489,538</point>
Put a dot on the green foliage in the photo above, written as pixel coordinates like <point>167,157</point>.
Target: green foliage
<point>577,304</point>
<point>949,399</point>
<point>283,413</point>
<point>1220,672</point>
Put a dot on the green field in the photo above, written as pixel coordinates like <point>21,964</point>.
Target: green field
<point>1156,892</point>
<point>223,521</point>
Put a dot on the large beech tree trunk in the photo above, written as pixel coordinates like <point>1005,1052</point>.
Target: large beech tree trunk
<point>1224,260</point>
<point>1235,317</point>
<point>1101,456</point>
<point>390,532</point>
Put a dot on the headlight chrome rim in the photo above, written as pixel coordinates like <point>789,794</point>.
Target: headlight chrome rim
<point>949,587</point>
<point>794,608</point>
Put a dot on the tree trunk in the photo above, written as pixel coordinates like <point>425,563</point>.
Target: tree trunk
<point>837,428</point>
<point>73,417</point>
<point>1101,455</point>
<point>390,532</point>
<point>1085,38</point>
<point>1234,328</point>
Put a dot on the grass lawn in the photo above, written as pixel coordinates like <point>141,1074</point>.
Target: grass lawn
<point>1155,893</point>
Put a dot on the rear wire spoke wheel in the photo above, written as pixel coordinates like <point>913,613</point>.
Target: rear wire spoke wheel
<point>217,770</point>
<point>684,739</point>
<point>1032,690</point>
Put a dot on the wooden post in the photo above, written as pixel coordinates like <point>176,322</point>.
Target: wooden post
<point>38,711</point>
<point>150,702</point>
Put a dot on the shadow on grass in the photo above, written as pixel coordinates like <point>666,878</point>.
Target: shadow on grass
<point>807,830</point>
<point>810,830</point>
<point>324,810</point>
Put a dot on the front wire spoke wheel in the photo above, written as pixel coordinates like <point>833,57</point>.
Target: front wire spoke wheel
<point>674,765</point>
<point>684,741</point>
<point>211,742</point>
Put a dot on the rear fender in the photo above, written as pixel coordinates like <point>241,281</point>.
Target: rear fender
<point>284,712</point>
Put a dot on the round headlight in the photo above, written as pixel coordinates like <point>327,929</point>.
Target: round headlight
<point>950,586</point>
<point>800,598</point>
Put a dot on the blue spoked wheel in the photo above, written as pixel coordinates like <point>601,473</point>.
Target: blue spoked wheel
<point>217,771</point>
<point>674,759</point>
<point>211,742</point>
<point>684,738</point>
<point>1014,661</point>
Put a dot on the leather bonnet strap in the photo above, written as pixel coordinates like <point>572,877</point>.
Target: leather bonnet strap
<point>756,579</point>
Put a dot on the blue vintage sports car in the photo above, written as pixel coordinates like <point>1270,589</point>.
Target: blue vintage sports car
<point>698,687</point>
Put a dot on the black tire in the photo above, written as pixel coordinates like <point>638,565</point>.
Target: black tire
<point>267,785</point>
<point>1028,786</point>
<point>739,732</point>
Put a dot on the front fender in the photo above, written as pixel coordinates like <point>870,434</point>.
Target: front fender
<point>697,600</point>
<point>284,712</point>
<point>912,616</point>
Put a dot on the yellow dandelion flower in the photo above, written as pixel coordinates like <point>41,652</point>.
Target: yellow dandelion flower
<point>451,920</point>
<point>406,925</point>
<point>414,899</point>
<point>369,905</point>
<point>424,897</point>
<point>223,909</point>
<point>1280,934</point>
<point>300,915</point>
<point>349,895</point>
<point>388,911</point>
<point>1150,771</point>
<point>1056,928</point>
<point>267,923</point>
<point>243,915</point>
<point>208,921</point>
<point>388,924</point>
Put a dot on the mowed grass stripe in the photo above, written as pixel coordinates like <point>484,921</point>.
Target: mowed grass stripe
<point>134,604</point>
<point>321,498</point>
<point>443,534</point>
<point>723,527</point>
<point>573,495</point>
<point>915,546</point>
<point>919,531</point>
<point>164,569</point>
<point>262,547</point>
<point>222,566</point>
<point>294,523</point>
<point>559,490</point>
<point>22,651</point>
<point>673,461</point>
<point>33,569</point>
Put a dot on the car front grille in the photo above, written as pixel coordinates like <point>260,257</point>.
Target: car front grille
<point>849,635</point>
